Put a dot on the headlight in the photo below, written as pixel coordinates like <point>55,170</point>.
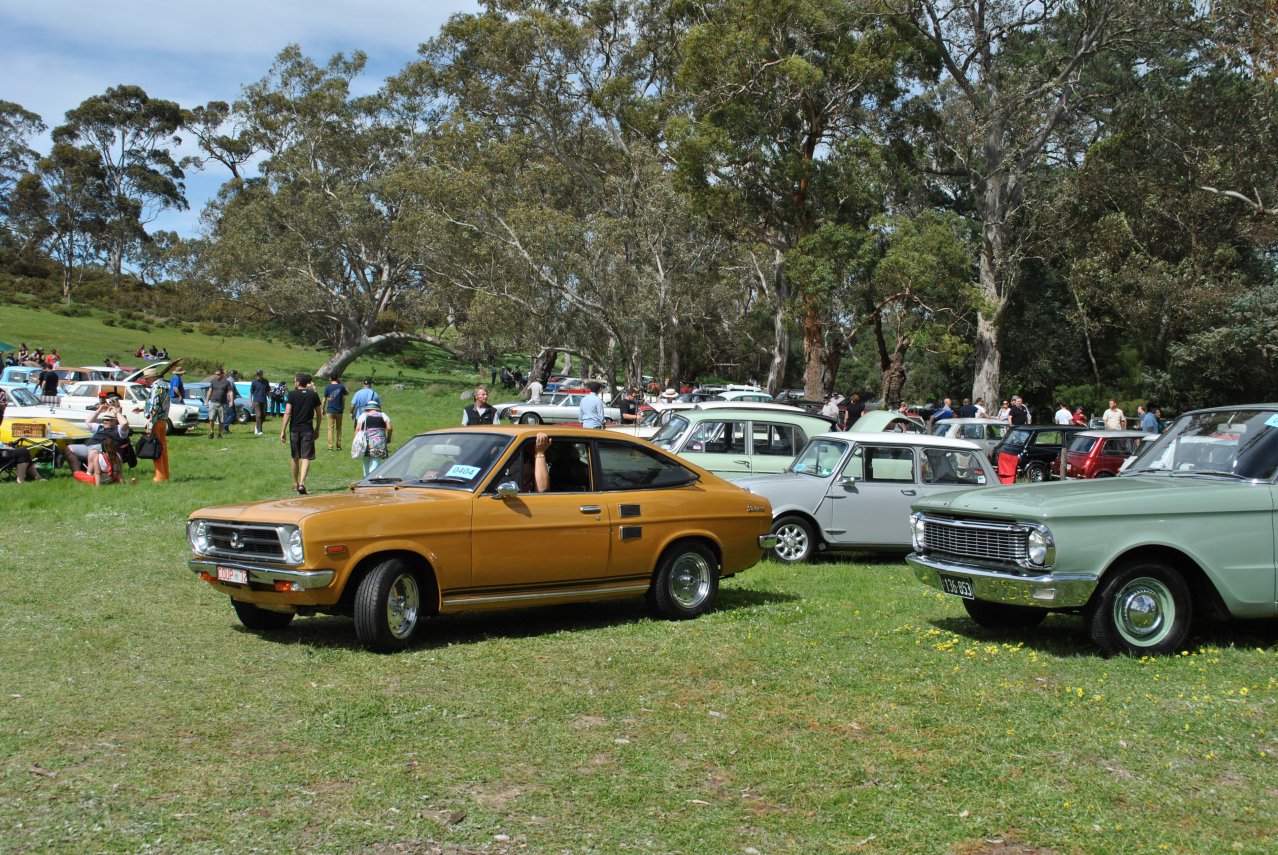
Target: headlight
<point>917,530</point>
<point>292,536</point>
<point>197,532</point>
<point>1041,549</point>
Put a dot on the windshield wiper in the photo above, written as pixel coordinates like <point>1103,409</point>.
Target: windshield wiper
<point>442,479</point>
<point>383,480</point>
<point>1216,473</point>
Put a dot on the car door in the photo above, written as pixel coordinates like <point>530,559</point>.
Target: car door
<point>869,500</point>
<point>527,546</point>
<point>773,445</point>
<point>720,445</point>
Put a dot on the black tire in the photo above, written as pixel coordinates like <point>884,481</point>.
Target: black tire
<point>530,419</point>
<point>259,619</point>
<point>388,606</point>
<point>1104,474</point>
<point>1003,615</point>
<point>686,583</point>
<point>1142,609</point>
<point>177,431</point>
<point>242,416</point>
<point>1036,472</point>
<point>796,541</point>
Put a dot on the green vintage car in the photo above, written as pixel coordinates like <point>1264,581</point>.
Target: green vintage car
<point>1187,530</point>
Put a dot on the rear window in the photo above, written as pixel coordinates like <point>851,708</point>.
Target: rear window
<point>1083,444</point>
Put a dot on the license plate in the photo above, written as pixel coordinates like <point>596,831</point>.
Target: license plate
<point>957,586</point>
<point>232,575</point>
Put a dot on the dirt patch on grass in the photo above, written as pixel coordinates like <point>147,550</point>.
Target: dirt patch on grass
<point>1001,846</point>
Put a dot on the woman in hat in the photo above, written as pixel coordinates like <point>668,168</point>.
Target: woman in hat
<point>157,416</point>
<point>373,431</point>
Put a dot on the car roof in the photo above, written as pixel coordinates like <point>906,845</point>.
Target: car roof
<point>972,420</point>
<point>1049,426</point>
<point>1116,434</point>
<point>897,437</point>
<point>875,420</point>
<point>752,409</point>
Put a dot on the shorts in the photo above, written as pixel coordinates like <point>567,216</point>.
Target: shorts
<point>301,445</point>
<point>217,412</point>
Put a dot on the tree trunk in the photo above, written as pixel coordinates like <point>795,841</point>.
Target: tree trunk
<point>894,375</point>
<point>543,364</point>
<point>780,327</point>
<point>337,363</point>
<point>816,354</point>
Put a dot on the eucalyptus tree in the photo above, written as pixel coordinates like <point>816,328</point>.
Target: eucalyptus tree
<point>1016,77</point>
<point>322,239</point>
<point>132,134</point>
<point>560,104</point>
<point>777,95</point>
<point>17,126</point>
<point>221,135</point>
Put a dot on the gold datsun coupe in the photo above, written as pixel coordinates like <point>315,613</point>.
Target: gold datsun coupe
<point>453,521</point>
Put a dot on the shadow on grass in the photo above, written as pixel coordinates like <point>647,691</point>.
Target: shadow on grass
<point>1065,635</point>
<point>339,632</point>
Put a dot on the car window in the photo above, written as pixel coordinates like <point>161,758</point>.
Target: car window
<point>1123,446</point>
<point>881,463</point>
<point>1049,437</point>
<point>717,437</point>
<point>1082,444</point>
<point>456,460</point>
<point>21,397</point>
<point>995,431</point>
<point>972,432</point>
<point>951,466</point>
<point>819,457</point>
<point>623,466</point>
<point>568,464</point>
<point>775,439</point>
<point>82,390</point>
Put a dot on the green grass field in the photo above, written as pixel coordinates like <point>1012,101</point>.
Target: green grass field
<point>837,707</point>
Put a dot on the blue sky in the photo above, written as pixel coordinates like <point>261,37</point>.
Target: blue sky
<point>56,53</point>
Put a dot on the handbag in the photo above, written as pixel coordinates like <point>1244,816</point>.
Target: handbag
<point>148,447</point>
<point>359,444</point>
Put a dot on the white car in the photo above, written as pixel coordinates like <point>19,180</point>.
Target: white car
<point>653,420</point>
<point>133,397</point>
<point>853,491</point>
<point>561,409</point>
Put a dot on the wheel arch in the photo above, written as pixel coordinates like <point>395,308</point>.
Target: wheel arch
<point>703,538</point>
<point>807,516</point>
<point>1206,598</point>
<point>418,563</point>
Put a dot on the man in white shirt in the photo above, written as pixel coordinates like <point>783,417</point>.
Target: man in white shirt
<point>534,390</point>
<point>1063,415</point>
<point>1113,417</point>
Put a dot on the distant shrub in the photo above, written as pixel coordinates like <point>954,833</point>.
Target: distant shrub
<point>209,328</point>
<point>109,321</point>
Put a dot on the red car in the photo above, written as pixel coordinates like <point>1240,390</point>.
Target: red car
<point>1099,453</point>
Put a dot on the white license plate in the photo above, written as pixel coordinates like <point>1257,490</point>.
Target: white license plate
<point>232,575</point>
<point>957,586</point>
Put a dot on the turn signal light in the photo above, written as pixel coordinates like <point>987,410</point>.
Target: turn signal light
<point>207,577</point>
<point>335,549</point>
<point>287,587</point>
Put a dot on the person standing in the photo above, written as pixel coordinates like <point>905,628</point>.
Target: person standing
<point>220,395</point>
<point>334,406</point>
<point>534,390</point>
<point>259,394</point>
<point>855,410</point>
<point>377,430</point>
<point>1079,418</point>
<point>591,410</point>
<point>479,413</point>
<point>945,412</point>
<point>979,406</point>
<point>1113,417</point>
<point>157,424</point>
<point>362,398</point>
<point>49,380</point>
<point>629,408</point>
<point>967,410</point>
<point>1005,413</point>
<point>1019,413</point>
<point>1063,415</point>
<point>1148,421</point>
<point>300,424</point>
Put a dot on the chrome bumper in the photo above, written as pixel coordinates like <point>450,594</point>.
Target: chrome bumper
<point>304,579</point>
<point>767,541</point>
<point>1049,591</point>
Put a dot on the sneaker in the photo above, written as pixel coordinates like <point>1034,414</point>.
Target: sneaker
<point>301,491</point>
<point>210,436</point>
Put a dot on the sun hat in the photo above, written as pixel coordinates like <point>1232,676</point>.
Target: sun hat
<point>372,405</point>
<point>670,394</point>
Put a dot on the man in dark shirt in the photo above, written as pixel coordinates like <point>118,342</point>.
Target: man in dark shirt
<point>629,408</point>
<point>855,410</point>
<point>300,424</point>
<point>49,380</point>
<point>334,405</point>
<point>220,396</point>
<point>968,410</point>
<point>259,393</point>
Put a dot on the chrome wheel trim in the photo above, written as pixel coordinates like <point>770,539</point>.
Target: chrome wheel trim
<point>1036,474</point>
<point>793,543</point>
<point>690,580</point>
<point>403,605</point>
<point>1144,612</point>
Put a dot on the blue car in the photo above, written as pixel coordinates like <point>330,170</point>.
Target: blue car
<point>195,393</point>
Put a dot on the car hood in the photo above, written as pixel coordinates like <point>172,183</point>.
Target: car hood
<point>296,508</point>
<point>759,483</point>
<point>1060,499</point>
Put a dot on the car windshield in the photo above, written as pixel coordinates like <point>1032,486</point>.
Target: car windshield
<point>941,428</point>
<point>457,460</point>
<point>1017,438</point>
<point>1083,444</point>
<point>819,458</point>
<point>20,397</point>
<point>1242,443</point>
<point>670,431</point>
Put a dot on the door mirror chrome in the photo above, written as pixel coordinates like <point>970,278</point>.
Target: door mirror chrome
<point>507,490</point>
<point>848,481</point>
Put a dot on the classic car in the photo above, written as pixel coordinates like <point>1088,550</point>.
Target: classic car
<point>739,440</point>
<point>655,417</point>
<point>561,409</point>
<point>1187,529</point>
<point>1027,451</point>
<point>133,398</point>
<point>985,432</point>
<point>1098,453</point>
<point>448,524</point>
<point>853,490</point>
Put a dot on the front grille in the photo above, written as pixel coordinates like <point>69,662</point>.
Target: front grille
<point>239,540</point>
<point>987,541</point>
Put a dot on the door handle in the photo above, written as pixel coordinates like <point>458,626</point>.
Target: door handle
<point>909,493</point>
<point>742,462</point>
<point>589,509</point>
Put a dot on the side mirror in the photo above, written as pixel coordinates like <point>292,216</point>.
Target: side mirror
<point>848,481</point>
<point>507,490</point>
